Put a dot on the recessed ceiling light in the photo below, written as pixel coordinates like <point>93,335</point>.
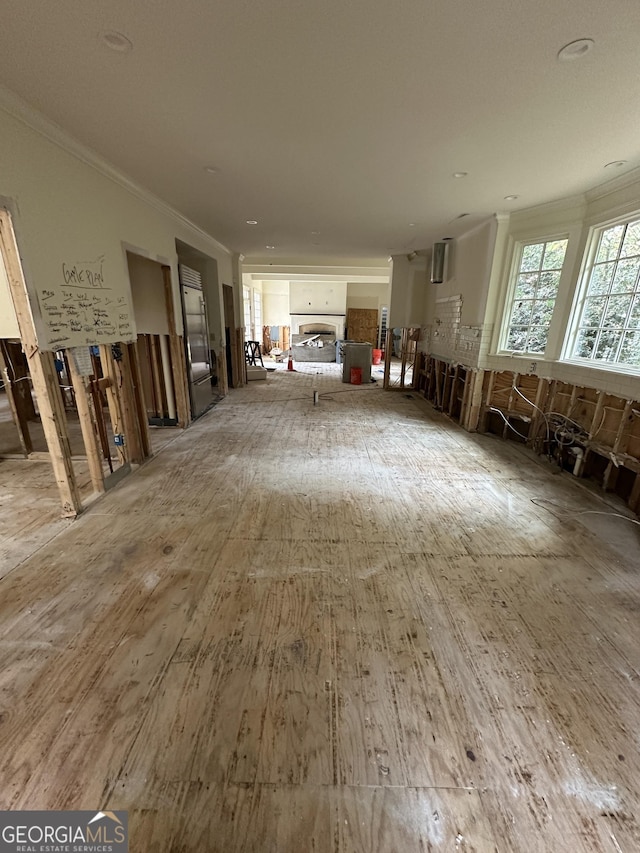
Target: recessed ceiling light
<point>615,164</point>
<point>412,225</point>
<point>116,41</point>
<point>212,170</point>
<point>510,197</point>
<point>575,49</point>
<point>252,221</point>
<point>460,174</point>
<point>269,247</point>
<point>315,233</point>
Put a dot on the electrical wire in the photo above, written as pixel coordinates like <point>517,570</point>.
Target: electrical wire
<point>511,427</point>
<point>568,512</point>
<point>323,395</point>
<point>10,364</point>
<point>531,403</point>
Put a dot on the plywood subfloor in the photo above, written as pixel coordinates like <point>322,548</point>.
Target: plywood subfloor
<point>342,627</point>
<point>30,510</point>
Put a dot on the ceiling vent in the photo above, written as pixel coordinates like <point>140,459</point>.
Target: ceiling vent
<point>439,262</point>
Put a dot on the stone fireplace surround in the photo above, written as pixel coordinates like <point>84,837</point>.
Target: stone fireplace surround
<point>311,324</point>
<point>326,328</point>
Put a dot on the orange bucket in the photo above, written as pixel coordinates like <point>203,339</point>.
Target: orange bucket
<point>356,376</point>
<point>377,356</point>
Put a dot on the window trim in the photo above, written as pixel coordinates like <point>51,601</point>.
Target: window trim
<point>256,299</point>
<point>516,252</point>
<point>246,300</point>
<point>580,295</point>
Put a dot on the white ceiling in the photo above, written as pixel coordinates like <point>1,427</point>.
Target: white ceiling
<point>344,118</point>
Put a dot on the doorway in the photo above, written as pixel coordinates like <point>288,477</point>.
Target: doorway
<point>159,348</point>
<point>233,346</point>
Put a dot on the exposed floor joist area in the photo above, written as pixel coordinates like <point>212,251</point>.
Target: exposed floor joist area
<point>349,626</point>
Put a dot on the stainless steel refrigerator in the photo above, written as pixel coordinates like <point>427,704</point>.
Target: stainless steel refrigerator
<point>196,336</point>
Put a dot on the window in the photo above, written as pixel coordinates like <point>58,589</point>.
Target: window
<point>382,333</point>
<point>246,298</point>
<point>608,327</point>
<point>535,288</point>
<point>257,316</point>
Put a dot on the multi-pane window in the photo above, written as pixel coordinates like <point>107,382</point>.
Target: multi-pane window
<point>246,299</point>
<point>608,327</point>
<point>534,295</point>
<point>382,333</point>
<point>257,315</point>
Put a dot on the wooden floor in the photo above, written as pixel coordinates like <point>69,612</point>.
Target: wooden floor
<point>342,628</point>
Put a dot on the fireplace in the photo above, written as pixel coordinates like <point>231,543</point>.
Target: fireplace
<point>314,336</point>
<point>318,324</point>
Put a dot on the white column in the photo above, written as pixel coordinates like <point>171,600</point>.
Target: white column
<point>408,291</point>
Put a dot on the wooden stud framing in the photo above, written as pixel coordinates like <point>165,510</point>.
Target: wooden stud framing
<point>129,406</point>
<point>440,383</point>
<point>221,365</point>
<point>475,403</point>
<point>482,426</point>
<point>510,404</point>
<point>613,468</point>
<point>552,395</point>
<point>454,388</point>
<point>178,359</point>
<point>42,372</point>
<point>388,346</point>
<point>156,376</point>
<point>572,401</point>
<point>542,392</point>
<point>139,402</point>
<point>634,497</point>
<point>22,425</point>
<point>113,398</point>
<point>597,419</point>
<point>87,425</point>
<point>466,390</point>
<point>241,365</point>
<point>437,390</point>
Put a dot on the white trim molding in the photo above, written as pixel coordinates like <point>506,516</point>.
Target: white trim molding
<point>19,109</point>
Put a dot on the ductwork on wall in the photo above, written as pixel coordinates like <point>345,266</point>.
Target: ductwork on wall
<point>439,261</point>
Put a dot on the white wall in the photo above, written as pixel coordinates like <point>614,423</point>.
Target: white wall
<point>67,211</point>
<point>455,325</point>
<point>408,292</point>
<point>469,266</point>
<point>147,287</point>
<point>572,218</point>
<point>275,303</point>
<point>318,297</point>
<point>8,320</point>
<point>361,294</point>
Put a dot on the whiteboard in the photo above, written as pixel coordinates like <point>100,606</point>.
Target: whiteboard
<point>83,307</point>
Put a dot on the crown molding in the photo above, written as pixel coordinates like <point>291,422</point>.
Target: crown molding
<point>482,223</point>
<point>614,185</point>
<point>19,109</point>
<point>569,204</point>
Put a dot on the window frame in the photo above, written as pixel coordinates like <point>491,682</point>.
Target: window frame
<point>516,254</point>
<point>256,302</point>
<point>590,253</point>
<point>246,302</point>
